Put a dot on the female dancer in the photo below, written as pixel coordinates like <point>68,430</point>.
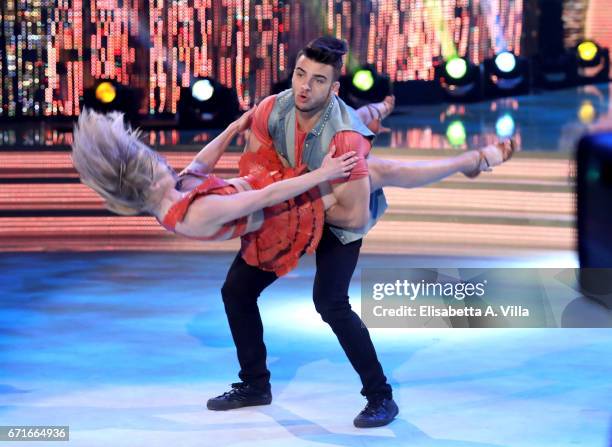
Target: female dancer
<point>279,212</point>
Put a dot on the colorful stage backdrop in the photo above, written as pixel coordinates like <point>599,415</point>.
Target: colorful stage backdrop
<point>51,50</point>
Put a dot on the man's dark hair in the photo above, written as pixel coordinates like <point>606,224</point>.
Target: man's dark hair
<point>326,50</point>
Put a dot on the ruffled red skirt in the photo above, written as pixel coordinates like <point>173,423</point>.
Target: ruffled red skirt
<point>291,228</point>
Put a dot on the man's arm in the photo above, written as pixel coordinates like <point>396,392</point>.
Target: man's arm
<point>352,209</point>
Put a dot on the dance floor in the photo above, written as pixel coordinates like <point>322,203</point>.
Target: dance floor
<point>125,348</point>
<point>116,328</point>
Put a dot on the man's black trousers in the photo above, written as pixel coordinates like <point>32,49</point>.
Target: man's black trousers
<point>335,266</point>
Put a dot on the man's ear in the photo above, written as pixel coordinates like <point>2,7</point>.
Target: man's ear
<point>336,87</point>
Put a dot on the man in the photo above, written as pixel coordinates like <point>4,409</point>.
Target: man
<point>302,123</point>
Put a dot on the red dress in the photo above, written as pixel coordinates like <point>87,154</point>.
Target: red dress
<point>289,229</point>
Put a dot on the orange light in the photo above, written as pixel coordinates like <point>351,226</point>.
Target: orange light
<point>106,92</point>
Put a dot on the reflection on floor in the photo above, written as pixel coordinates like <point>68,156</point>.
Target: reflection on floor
<point>125,348</point>
<point>550,121</point>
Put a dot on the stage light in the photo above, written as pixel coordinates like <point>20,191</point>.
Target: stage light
<point>207,104</point>
<point>505,126</point>
<point>363,80</point>
<point>202,90</point>
<point>505,62</point>
<point>593,62</point>
<point>456,68</point>
<point>506,75</point>
<point>364,86</point>
<point>106,92</point>
<point>587,50</point>
<point>456,134</point>
<point>107,95</point>
<point>460,80</point>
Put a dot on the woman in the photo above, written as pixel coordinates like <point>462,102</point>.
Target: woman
<point>278,210</point>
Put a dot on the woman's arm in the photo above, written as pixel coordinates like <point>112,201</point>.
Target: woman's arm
<point>215,210</point>
<point>208,157</point>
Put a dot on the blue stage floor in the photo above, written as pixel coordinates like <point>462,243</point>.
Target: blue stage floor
<point>126,348</point>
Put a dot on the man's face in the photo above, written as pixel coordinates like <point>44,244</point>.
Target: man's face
<point>313,84</point>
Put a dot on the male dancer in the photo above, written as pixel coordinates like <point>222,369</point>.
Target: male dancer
<point>302,123</point>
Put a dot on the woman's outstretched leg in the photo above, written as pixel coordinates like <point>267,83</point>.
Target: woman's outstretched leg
<point>419,173</point>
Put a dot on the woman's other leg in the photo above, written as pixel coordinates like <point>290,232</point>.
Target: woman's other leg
<point>412,174</point>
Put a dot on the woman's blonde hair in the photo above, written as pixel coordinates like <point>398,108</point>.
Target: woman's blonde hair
<point>111,159</point>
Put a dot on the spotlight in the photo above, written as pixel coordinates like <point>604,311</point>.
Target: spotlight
<point>456,68</point>
<point>363,80</point>
<point>108,95</point>
<point>593,62</point>
<point>587,51</point>
<point>505,62</point>
<point>364,86</point>
<point>106,92</point>
<point>460,79</point>
<point>506,74</point>
<point>202,90</point>
<point>207,104</point>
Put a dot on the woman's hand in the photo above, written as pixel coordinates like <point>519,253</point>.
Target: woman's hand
<point>244,122</point>
<point>339,167</point>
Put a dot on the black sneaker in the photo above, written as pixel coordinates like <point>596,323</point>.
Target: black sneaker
<point>377,412</point>
<point>241,395</point>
